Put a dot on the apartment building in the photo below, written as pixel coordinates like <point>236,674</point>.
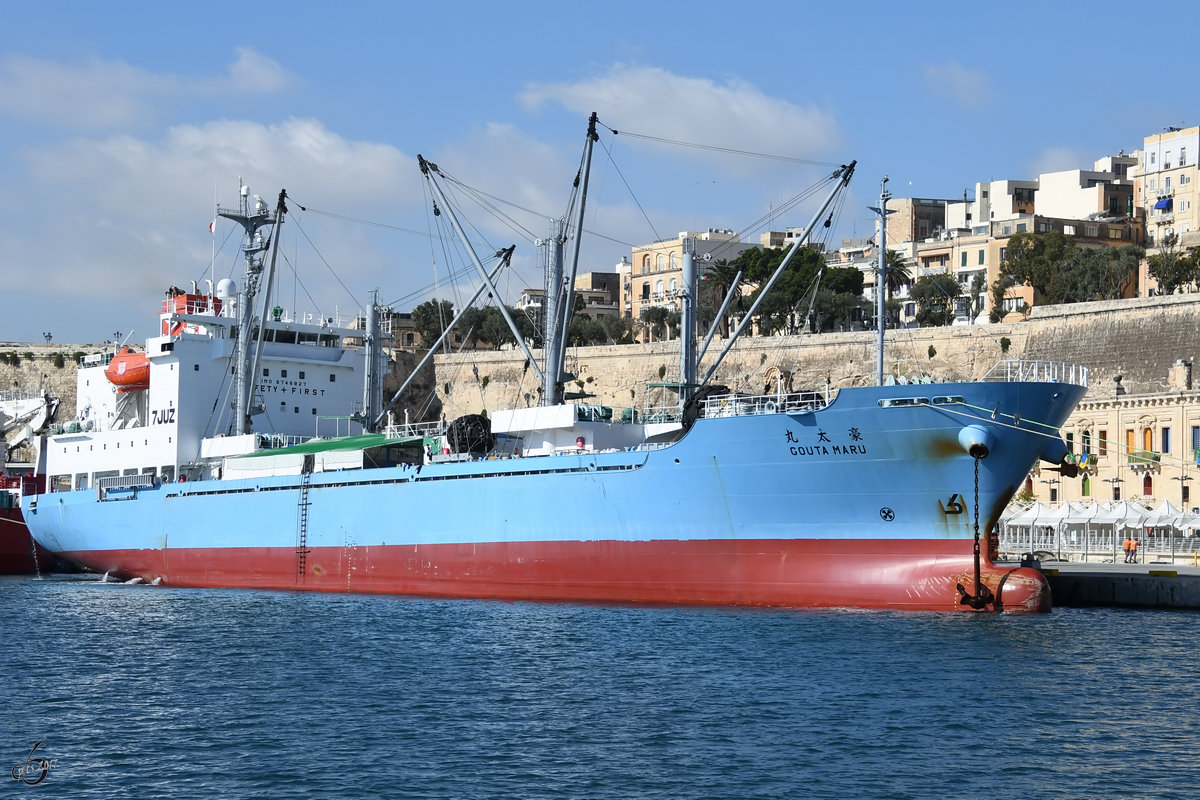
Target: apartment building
<point>1165,186</point>
<point>655,275</point>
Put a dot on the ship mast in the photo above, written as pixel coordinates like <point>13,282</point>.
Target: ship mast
<point>881,276</point>
<point>254,246</point>
<point>843,175</point>
<point>560,282</point>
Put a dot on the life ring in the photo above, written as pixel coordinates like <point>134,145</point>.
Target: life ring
<point>771,407</point>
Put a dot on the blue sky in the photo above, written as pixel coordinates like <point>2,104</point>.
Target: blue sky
<point>121,124</point>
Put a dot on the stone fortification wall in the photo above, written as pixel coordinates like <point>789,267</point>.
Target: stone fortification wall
<point>51,367</point>
<point>469,382</point>
<point>1140,339</point>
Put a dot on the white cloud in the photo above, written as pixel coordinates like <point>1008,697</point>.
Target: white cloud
<point>254,72</point>
<point>104,95</point>
<point>967,88</point>
<point>107,224</point>
<point>735,114</point>
<point>1057,159</point>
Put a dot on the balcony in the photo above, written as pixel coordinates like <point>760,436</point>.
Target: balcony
<point>1144,460</point>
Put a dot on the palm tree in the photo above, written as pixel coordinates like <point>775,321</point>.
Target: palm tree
<point>897,273</point>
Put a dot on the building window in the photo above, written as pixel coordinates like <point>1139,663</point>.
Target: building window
<point>1196,443</point>
<point>301,374</point>
<point>1087,442</point>
<point>1091,231</point>
<point>964,258</point>
<point>1115,233</point>
<point>981,252</point>
<point>1166,440</point>
<point>1021,227</point>
<point>1085,486</point>
<point>674,261</point>
<point>1103,443</point>
<point>1070,442</point>
<point>673,286</point>
<point>658,262</point>
<point>266,372</point>
<point>1147,439</point>
<point>1148,485</point>
<point>1167,183</point>
<point>1068,230</point>
<point>1151,158</point>
<point>658,288</point>
<point>646,290</point>
<point>283,373</point>
<point>1183,156</point>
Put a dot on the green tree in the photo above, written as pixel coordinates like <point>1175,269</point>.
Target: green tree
<point>494,330</point>
<point>1102,273</point>
<point>1172,268</point>
<point>431,318</point>
<point>1034,258</point>
<point>935,296</point>
<point>897,274</point>
<point>655,320</point>
<point>715,282</point>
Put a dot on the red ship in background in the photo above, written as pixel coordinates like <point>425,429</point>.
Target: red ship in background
<point>19,554</point>
<point>24,416</point>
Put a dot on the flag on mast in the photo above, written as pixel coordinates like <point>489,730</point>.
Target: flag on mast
<point>212,226</point>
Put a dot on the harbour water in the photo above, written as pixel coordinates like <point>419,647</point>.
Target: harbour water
<point>154,692</point>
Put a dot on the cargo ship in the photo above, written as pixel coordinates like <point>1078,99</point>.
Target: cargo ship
<point>202,469</point>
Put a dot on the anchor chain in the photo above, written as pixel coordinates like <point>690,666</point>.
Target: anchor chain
<point>983,596</point>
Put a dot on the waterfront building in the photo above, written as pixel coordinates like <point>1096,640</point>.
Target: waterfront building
<point>655,275</point>
<point>1143,447</point>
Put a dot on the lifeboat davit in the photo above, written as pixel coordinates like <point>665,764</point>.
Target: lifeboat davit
<point>129,370</point>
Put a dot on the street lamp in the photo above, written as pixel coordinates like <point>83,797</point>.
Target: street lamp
<point>1116,487</point>
<point>1183,490</point>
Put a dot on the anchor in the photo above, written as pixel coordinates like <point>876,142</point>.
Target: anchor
<point>983,596</point>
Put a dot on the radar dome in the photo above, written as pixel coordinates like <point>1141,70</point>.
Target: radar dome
<point>226,288</point>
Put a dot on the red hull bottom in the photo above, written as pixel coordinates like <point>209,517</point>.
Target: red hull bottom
<point>17,548</point>
<point>907,574</point>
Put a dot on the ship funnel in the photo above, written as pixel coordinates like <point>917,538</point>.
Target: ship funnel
<point>976,441</point>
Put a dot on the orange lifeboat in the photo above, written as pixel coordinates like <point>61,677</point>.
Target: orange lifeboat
<point>129,370</point>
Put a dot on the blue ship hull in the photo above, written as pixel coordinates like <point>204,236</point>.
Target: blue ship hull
<point>870,501</point>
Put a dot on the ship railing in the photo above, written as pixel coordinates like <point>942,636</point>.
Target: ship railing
<point>126,485</point>
<point>275,441</point>
<point>737,405</point>
<point>13,395</point>
<point>413,429</point>
<point>1019,371</point>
